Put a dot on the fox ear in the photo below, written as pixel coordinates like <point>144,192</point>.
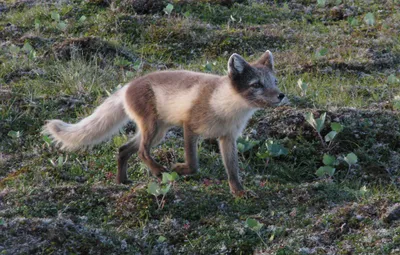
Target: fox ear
<point>267,59</point>
<point>236,64</point>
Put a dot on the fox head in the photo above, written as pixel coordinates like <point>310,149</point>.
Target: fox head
<point>256,82</point>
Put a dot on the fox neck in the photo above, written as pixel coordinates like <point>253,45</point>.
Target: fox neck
<point>227,102</point>
<point>231,111</point>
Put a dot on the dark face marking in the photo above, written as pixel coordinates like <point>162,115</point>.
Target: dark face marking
<point>257,83</point>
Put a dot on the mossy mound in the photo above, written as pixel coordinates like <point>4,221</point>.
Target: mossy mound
<point>89,47</point>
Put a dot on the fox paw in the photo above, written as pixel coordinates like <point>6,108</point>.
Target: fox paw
<point>246,194</point>
<point>158,172</point>
<point>182,169</point>
<point>125,182</point>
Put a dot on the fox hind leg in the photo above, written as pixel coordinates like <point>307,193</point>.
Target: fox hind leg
<point>125,152</point>
<point>152,134</point>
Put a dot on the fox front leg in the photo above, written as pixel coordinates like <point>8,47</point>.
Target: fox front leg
<point>191,164</point>
<point>228,150</point>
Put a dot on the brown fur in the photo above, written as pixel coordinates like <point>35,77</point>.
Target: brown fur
<point>203,104</point>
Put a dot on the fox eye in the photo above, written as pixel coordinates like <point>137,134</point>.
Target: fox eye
<point>257,85</point>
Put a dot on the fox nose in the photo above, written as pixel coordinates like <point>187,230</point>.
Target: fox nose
<point>281,96</point>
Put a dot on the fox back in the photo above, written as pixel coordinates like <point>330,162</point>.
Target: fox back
<point>211,105</point>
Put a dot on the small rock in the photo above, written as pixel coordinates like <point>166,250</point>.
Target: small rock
<point>392,214</point>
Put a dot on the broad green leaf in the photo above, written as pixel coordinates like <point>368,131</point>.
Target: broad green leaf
<point>32,54</point>
<point>62,25</point>
<point>263,155</point>
<point>161,239</point>
<point>353,21</point>
<point>169,177</point>
<point>246,144</point>
<point>165,189</point>
<point>37,23</point>
<point>27,47</point>
<point>328,160</point>
<point>320,122</point>
<point>165,177</point>
<point>336,127</point>
<point>55,16</point>
<point>153,189</point>
<point>60,161</point>
<point>321,52</point>
<point>14,49</point>
<point>208,67</point>
<point>254,224</point>
<point>168,9</point>
<point>369,19</point>
<point>82,18</point>
<point>396,103</point>
<point>351,158</point>
<point>363,190</point>
<point>323,170</point>
<point>286,7</point>
<point>174,176</point>
<point>240,147</point>
<point>251,223</point>
<point>187,14</point>
<point>321,3</point>
<point>330,136</point>
<point>276,150</point>
<point>1,221</point>
<point>14,134</point>
<point>47,139</point>
<point>392,79</point>
<point>330,170</point>
<point>272,237</point>
<point>129,74</point>
<point>310,119</point>
<point>303,86</point>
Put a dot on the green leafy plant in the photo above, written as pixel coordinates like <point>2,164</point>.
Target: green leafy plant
<point>59,162</point>
<point>396,103</point>
<point>369,19</point>
<point>246,144</point>
<point>321,3</point>
<point>392,79</point>
<point>121,62</point>
<point>82,19</point>
<point>270,150</point>
<point>156,190</point>
<point>161,239</point>
<point>14,134</point>
<point>186,14</point>
<point>329,169</point>
<point>273,149</point>
<point>14,50</point>
<point>330,162</point>
<point>321,52</point>
<point>351,159</point>
<point>30,51</point>
<point>318,125</point>
<point>302,86</point>
<point>256,226</point>
<point>168,9</point>
<point>353,21</point>
<point>62,25</point>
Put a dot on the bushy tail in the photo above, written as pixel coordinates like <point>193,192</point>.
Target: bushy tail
<point>98,127</point>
